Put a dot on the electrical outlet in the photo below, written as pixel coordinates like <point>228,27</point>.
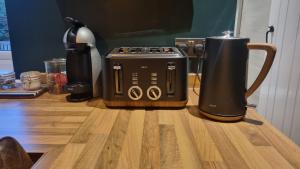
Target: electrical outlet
<point>191,47</point>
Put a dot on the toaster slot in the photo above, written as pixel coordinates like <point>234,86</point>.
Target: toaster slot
<point>118,78</point>
<point>155,50</point>
<point>171,75</point>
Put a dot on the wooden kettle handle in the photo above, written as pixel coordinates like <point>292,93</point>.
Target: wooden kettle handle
<point>271,51</point>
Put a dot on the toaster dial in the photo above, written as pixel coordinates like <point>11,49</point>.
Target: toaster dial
<point>154,93</point>
<point>135,93</point>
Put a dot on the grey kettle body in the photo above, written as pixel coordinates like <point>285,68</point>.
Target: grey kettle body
<point>223,90</point>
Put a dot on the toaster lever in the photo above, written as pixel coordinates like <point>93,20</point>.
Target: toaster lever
<point>118,79</point>
<point>171,74</point>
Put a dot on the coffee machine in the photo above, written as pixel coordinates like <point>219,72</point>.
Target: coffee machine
<point>83,62</point>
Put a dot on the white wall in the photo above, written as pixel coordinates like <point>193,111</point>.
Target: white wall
<point>254,24</point>
<point>280,93</point>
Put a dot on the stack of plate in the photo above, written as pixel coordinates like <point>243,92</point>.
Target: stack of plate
<point>7,80</point>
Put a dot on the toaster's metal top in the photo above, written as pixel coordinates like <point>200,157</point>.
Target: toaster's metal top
<point>145,52</point>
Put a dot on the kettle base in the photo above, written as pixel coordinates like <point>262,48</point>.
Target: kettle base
<point>222,118</point>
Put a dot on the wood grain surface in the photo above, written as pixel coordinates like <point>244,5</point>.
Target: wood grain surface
<point>89,135</point>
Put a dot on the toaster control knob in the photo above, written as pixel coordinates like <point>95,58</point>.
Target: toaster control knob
<point>135,93</point>
<point>154,93</point>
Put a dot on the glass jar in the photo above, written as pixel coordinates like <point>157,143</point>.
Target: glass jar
<point>56,65</point>
<point>7,80</point>
<point>56,75</point>
<point>31,80</point>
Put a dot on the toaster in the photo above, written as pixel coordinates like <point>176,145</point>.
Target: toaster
<point>145,77</point>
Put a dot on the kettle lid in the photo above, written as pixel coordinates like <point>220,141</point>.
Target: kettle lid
<point>228,35</point>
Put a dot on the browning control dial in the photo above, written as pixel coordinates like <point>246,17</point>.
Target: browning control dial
<point>135,93</point>
<point>154,93</point>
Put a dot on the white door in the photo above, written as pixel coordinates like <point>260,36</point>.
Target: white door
<point>279,98</point>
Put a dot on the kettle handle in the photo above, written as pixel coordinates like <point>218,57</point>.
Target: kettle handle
<point>271,52</point>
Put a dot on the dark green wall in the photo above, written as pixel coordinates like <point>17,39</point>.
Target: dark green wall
<point>211,18</point>
<point>36,30</point>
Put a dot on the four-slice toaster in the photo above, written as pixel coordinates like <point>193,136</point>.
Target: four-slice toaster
<point>145,77</point>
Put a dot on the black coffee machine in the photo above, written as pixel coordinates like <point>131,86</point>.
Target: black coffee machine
<point>83,62</point>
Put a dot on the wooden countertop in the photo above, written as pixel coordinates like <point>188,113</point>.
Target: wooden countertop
<point>87,135</point>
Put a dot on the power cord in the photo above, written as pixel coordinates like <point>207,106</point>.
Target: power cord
<point>199,65</point>
<point>271,29</point>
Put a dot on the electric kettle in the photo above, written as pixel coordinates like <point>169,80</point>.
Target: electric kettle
<point>223,89</point>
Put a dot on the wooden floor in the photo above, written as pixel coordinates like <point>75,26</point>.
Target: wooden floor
<point>87,135</point>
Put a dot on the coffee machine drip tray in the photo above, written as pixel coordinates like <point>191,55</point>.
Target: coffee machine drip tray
<point>80,92</point>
